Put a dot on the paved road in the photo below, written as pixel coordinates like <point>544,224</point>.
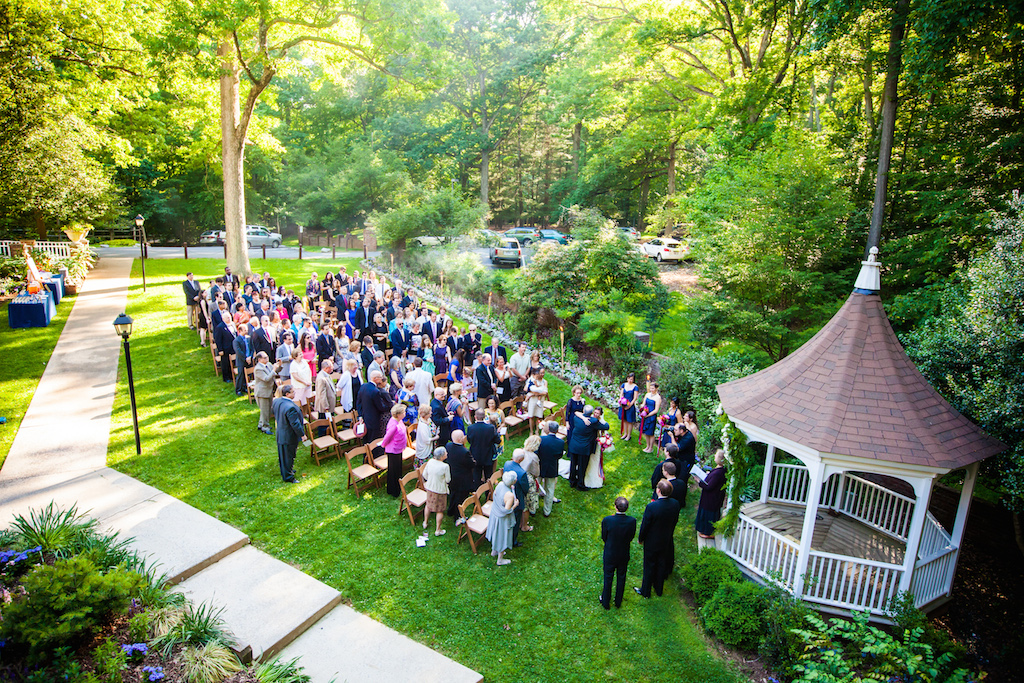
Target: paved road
<point>218,252</point>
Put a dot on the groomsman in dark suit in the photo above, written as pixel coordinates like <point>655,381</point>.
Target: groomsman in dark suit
<point>432,327</point>
<point>485,379</point>
<point>192,289</point>
<point>401,339</point>
<point>496,350</point>
<point>656,530</point>
<point>617,532</point>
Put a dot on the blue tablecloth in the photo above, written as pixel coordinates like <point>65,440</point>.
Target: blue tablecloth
<point>31,310</point>
<point>56,286</point>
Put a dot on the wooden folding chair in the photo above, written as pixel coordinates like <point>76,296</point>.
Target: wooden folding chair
<point>361,469</point>
<point>549,406</point>
<point>413,500</point>
<point>512,422</point>
<point>234,368</point>
<point>345,436</point>
<point>380,461</point>
<point>250,384</point>
<point>321,447</point>
<point>409,454</point>
<point>495,478</point>
<point>475,523</point>
<point>441,380</point>
<point>216,356</point>
<point>483,498</point>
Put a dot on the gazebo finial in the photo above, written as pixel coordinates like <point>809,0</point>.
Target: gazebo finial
<point>870,280</point>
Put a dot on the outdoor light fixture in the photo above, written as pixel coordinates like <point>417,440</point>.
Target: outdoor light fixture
<point>123,327</point>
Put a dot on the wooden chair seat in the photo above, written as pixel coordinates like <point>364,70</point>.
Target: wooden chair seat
<point>325,441</point>
<point>475,523</point>
<point>321,447</point>
<point>413,501</point>
<point>361,474</point>
<point>548,405</point>
<point>417,497</point>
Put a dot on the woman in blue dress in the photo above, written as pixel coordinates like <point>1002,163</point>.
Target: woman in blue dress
<point>574,406</point>
<point>441,355</point>
<point>649,415</point>
<point>627,406</point>
<point>455,367</point>
<point>673,417</point>
<point>350,319</point>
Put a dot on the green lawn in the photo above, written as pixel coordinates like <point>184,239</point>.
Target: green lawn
<point>26,353</point>
<point>537,619</point>
<point>675,328</point>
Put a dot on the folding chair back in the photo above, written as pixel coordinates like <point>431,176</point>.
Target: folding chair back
<point>475,522</point>
<point>412,500</point>
<point>361,472</point>
<point>321,447</point>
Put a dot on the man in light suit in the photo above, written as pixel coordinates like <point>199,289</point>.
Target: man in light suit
<point>617,532</point>
<point>192,289</point>
<point>656,530</point>
<point>264,386</point>
<point>549,453</point>
<point>326,398</point>
<point>424,387</point>
<point>289,431</point>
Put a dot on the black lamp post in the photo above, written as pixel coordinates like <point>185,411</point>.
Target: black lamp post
<point>123,326</point>
<point>139,221</point>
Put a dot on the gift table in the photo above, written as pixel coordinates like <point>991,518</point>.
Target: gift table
<point>31,310</point>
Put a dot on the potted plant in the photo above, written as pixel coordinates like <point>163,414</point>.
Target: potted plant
<point>77,231</point>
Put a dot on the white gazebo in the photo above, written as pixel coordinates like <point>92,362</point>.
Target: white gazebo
<point>848,528</point>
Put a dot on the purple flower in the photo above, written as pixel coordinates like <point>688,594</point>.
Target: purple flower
<point>155,672</point>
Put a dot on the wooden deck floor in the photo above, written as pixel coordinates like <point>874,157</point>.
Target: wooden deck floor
<point>840,535</point>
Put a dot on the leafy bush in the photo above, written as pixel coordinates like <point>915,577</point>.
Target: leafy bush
<point>110,660</point>
<point>61,532</point>
<point>706,571</point>
<point>63,603</point>
<point>735,614</point>
<point>780,647</point>
<point>842,650</point>
<point>139,627</point>
<point>190,625</point>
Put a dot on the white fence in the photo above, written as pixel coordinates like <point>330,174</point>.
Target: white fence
<point>763,551</point>
<point>55,249</point>
<point>933,576</point>
<point>851,583</point>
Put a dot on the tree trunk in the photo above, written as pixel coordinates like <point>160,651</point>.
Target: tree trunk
<point>894,62</point>
<point>670,190</point>
<point>641,209</point>
<point>577,136</point>
<point>485,162</point>
<point>232,160</point>
<point>40,225</point>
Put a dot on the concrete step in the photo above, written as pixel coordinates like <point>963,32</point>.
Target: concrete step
<point>266,602</point>
<point>348,646</point>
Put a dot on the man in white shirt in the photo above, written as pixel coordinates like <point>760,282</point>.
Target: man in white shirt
<point>519,364</point>
<point>424,387</point>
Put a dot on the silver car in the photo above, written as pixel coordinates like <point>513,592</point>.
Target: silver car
<point>258,236</point>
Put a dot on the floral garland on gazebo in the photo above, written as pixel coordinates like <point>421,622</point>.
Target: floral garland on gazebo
<point>740,457</point>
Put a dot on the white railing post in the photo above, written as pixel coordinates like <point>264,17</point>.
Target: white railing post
<point>817,476</point>
<point>766,482</point>
<point>960,523</point>
<point>923,492</point>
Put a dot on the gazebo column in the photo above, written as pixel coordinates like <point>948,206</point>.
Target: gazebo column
<point>816,472</point>
<point>960,523</point>
<point>923,493</point>
<point>766,482</point>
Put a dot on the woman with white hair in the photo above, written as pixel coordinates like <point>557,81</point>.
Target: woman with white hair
<point>501,521</point>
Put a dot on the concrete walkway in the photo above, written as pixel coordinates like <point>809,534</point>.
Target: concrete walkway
<point>59,455</point>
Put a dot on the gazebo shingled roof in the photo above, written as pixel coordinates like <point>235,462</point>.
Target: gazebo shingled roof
<point>852,390</point>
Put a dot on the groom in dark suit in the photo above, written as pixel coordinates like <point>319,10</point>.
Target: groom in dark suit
<point>617,532</point>
<point>656,529</point>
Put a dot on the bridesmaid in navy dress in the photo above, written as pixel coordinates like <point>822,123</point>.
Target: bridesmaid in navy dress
<point>673,417</point>
<point>627,410</point>
<point>574,406</point>
<point>652,404</point>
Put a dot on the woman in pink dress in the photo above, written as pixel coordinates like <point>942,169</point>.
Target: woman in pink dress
<point>394,443</point>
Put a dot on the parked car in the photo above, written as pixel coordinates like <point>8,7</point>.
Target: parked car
<point>553,236</point>
<point>258,236</point>
<point>664,249</point>
<point>630,232</point>
<point>214,237</point>
<point>507,251</point>
<point>524,235</point>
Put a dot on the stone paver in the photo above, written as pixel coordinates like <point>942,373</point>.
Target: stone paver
<point>349,646</point>
<point>266,602</point>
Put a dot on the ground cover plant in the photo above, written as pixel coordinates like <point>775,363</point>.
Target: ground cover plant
<point>78,605</point>
<point>536,619</point>
<point>26,353</point>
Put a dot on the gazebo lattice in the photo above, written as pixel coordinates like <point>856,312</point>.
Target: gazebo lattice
<point>849,527</point>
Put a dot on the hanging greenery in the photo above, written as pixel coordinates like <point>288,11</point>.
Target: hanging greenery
<point>740,458</point>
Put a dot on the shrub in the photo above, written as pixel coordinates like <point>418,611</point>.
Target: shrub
<point>735,614</point>
<point>109,660</point>
<point>63,603</point>
<point>706,571</point>
<point>780,646</point>
<point>140,626</point>
<point>190,626</point>
<point>61,532</point>
<point>210,663</point>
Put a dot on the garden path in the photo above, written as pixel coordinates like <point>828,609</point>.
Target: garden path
<point>59,455</point>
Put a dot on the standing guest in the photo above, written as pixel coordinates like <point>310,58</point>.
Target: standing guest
<point>301,377</point>
<point>617,532</point>
<point>396,376</point>
<point>593,476</point>
<point>264,386</point>
<point>522,488</point>
<point>408,399</point>
<point>678,485</point>
<point>687,440</point>
<point>712,496</point>
<point>308,348</point>
<point>519,366</point>
<point>503,390</point>
<point>283,355</point>
<point>193,293</point>
<point>535,363</point>
<point>428,357</point>
<point>549,453</point>
<point>423,381</point>
<point>312,288</point>
<point>243,358</point>
<point>281,311</point>
<point>440,416</point>
<point>671,456</point>
<point>378,364</point>
<point>289,431</point>
<point>500,524</point>
<point>573,406</point>
<point>233,279</point>
<point>483,439</point>
<point>326,397</point>
<point>496,351</point>
<point>401,339</point>
<point>537,393</point>
<point>395,440</point>
<point>455,367</point>
<point>462,466</point>
<point>437,475</point>
<point>468,383</point>
<point>496,416</point>
<point>649,415</point>
<point>367,353</point>
<point>325,345</point>
<point>374,405</point>
<point>656,529</point>
<point>348,385</point>
<point>441,355</point>
<point>471,342</point>
<point>263,338</point>
<point>203,318</point>
<point>426,437</point>
<point>531,463</point>
<point>627,406</point>
<point>458,407</point>
<point>584,429</point>
<point>224,336</point>
<point>486,380</point>
<point>432,327</point>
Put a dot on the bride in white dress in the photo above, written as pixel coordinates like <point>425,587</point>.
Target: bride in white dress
<point>594,477</point>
